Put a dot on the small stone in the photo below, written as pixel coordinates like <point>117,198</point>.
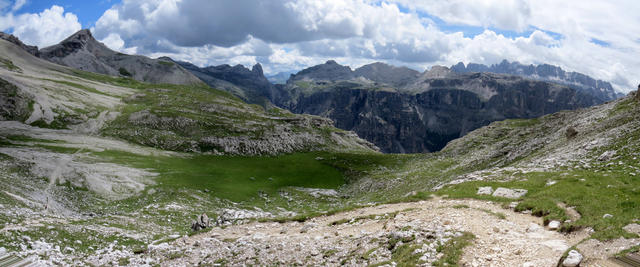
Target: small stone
<point>485,190</point>
<point>496,229</point>
<point>607,155</point>
<point>606,216</point>
<point>554,225</point>
<point>573,259</point>
<point>513,205</point>
<point>551,182</point>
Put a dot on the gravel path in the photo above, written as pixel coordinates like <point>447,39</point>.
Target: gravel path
<point>360,239</point>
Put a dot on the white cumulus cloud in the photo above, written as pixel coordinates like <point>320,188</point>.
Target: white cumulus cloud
<point>595,38</point>
<point>42,29</point>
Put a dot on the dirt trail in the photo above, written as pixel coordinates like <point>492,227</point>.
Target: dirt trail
<point>516,240</point>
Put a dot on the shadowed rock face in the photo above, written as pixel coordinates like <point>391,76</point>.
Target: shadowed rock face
<point>82,51</point>
<point>249,84</point>
<point>429,110</point>
<point>602,90</point>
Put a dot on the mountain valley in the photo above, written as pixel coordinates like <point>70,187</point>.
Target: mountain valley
<point>111,159</point>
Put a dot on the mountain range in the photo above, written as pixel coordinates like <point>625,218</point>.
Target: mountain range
<point>402,110</point>
<point>398,109</point>
<point>545,72</point>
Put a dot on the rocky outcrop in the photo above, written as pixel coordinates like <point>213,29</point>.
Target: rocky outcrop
<point>602,90</point>
<point>427,112</point>
<point>29,48</point>
<point>202,222</point>
<point>81,51</point>
<point>249,84</point>
<point>14,106</point>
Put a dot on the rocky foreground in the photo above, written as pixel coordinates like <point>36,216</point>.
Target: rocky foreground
<point>394,234</point>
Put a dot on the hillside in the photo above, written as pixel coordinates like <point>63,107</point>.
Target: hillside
<point>82,147</point>
<point>82,51</point>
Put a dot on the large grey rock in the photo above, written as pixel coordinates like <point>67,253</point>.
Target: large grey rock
<point>573,259</point>
<point>509,193</point>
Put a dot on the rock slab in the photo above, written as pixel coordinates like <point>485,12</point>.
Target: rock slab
<point>509,193</point>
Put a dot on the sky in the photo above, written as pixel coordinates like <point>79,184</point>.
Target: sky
<point>597,38</point>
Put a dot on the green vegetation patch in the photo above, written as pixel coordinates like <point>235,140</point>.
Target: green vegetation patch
<point>593,193</point>
<point>234,177</point>
<point>453,249</point>
<point>8,64</point>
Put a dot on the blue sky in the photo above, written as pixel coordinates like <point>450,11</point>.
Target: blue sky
<point>288,35</point>
<point>88,11</point>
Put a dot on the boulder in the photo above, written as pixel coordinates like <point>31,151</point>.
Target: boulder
<point>633,228</point>
<point>485,190</point>
<point>509,193</point>
<point>571,132</point>
<point>554,225</point>
<point>200,223</point>
<point>573,259</point>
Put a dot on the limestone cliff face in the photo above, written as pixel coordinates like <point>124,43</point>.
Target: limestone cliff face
<point>429,111</point>
<point>398,109</point>
<point>602,90</point>
<point>81,51</point>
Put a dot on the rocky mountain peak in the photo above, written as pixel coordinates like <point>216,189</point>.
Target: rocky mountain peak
<point>385,73</point>
<point>437,72</point>
<point>83,35</point>
<point>257,70</point>
<point>330,71</point>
